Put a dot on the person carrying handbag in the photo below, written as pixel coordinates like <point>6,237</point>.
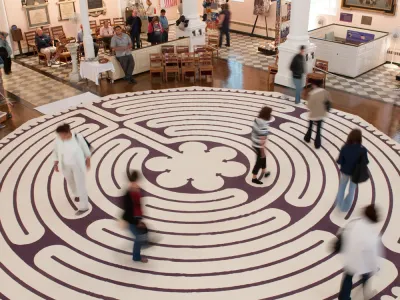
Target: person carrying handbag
<point>318,103</point>
<point>353,161</point>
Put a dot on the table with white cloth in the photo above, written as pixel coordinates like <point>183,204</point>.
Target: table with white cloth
<point>92,69</point>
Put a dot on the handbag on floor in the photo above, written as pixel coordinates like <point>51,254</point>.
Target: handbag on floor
<point>361,172</point>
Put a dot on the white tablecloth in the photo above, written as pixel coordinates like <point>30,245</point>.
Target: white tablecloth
<point>92,69</point>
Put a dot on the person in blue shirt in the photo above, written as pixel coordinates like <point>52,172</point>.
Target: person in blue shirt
<point>165,26</point>
<point>349,156</point>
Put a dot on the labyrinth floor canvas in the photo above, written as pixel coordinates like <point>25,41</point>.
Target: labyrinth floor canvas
<point>215,234</point>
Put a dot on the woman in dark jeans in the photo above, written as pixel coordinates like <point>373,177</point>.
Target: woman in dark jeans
<point>349,156</point>
<point>259,139</point>
<point>133,215</point>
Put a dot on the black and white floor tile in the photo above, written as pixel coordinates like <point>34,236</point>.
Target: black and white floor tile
<point>37,88</point>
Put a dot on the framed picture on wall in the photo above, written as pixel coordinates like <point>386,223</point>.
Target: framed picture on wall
<point>66,10</point>
<point>37,15</point>
<point>387,7</point>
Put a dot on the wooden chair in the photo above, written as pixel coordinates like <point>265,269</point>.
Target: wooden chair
<point>167,49</point>
<point>119,22</point>
<point>30,39</point>
<point>272,71</point>
<point>213,42</point>
<point>156,65</point>
<point>93,26</point>
<point>188,65</point>
<point>318,74</point>
<point>171,65</point>
<point>182,49</point>
<point>206,67</point>
<point>102,21</point>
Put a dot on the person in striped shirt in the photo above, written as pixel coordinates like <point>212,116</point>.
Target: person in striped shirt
<point>259,138</point>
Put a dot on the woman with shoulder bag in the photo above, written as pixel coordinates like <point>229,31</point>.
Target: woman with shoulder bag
<point>352,155</point>
<point>319,104</point>
<point>133,216</point>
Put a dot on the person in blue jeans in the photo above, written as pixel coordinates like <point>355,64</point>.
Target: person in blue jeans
<point>348,158</point>
<point>298,69</point>
<point>133,216</point>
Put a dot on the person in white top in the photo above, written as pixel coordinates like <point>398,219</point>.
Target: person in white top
<point>106,33</point>
<point>72,157</point>
<point>150,11</point>
<point>361,249</point>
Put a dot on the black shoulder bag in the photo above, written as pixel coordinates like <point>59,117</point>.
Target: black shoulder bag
<point>361,172</point>
<point>87,143</point>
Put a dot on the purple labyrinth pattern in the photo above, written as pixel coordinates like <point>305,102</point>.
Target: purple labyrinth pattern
<point>216,235</point>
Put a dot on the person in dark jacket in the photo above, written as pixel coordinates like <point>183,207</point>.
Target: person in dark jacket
<point>136,28</point>
<point>133,215</point>
<point>298,69</point>
<point>225,24</point>
<point>349,156</point>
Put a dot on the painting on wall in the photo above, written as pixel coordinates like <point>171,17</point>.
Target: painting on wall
<point>37,15</point>
<point>379,6</point>
<point>261,7</point>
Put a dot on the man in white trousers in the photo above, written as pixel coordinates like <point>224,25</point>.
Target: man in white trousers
<point>72,156</point>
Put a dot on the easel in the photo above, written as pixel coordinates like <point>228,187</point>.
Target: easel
<point>255,23</point>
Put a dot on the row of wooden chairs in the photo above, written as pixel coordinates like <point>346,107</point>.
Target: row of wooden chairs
<point>115,22</point>
<point>185,64</point>
<point>185,49</point>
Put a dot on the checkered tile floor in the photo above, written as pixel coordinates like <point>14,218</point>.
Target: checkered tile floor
<point>379,84</point>
<point>36,88</point>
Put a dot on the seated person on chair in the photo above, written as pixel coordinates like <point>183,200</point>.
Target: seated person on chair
<point>106,32</point>
<point>81,46</point>
<point>45,46</point>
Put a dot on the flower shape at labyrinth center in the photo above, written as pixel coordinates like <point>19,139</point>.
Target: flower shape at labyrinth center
<point>205,168</point>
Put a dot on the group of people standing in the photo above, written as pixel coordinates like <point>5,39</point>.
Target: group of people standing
<point>360,242</point>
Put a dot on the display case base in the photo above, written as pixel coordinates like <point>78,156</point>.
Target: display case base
<point>266,51</point>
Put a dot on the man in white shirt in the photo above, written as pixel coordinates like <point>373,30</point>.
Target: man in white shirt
<point>150,11</point>
<point>106,33</point>
<point>72,157</point>
<point>361,249</point>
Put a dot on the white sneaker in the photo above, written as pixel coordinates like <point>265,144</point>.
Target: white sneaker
<point>49,63</point>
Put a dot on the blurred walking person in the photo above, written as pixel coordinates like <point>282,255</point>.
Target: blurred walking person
<point>224,25</point>
<point>351,154</point>
<point>133,216</point>
<point>318,103</point>
<point>72,157</point>
<point>298,69</point>
<point>361,249</point>
<point>259,139</point>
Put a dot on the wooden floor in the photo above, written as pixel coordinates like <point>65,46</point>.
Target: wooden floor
<point>228,74</point>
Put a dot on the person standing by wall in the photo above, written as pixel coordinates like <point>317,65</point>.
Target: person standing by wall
<point>136,28</point>
<point>259,139</point>
<point>298,69</point>
<point>164,25</point>
<point>224,25</point>
<point>318,104</point>
<point>5,53</point>
<point>72,157</point>
<point>122,45</point>
<point>150,11</point>
<point>133,215</point>
<point>361,250</point>
<point>350,154</point>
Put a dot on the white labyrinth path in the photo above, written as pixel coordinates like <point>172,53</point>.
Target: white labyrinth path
<point>217,236</point>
